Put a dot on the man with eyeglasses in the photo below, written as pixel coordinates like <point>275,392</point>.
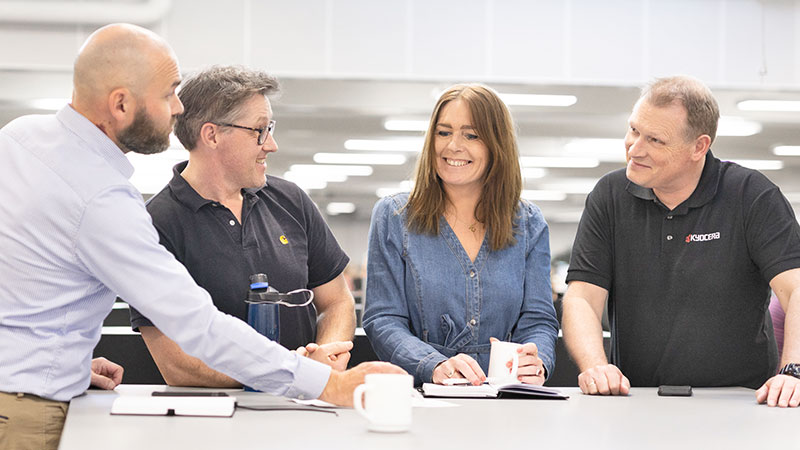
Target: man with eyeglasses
<point>225,220</point>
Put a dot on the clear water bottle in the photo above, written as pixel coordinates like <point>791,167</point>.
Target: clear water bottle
<point>263,311</point>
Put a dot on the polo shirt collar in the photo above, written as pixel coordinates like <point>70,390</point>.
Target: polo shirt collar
<point>704,192</point>
<point>186,194</point>
<point>183,191</point>
<point>95,139</point>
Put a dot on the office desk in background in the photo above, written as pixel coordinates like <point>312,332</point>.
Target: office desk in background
<point>724,418</point>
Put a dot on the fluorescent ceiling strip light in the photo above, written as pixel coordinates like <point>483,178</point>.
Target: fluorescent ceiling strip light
<point>555,162</point>
<point>570,185</point>
<point>787,150</point>
<point>533,172</point>
<point>404,186</point>
<point>49,104</point>
<point>737,126</point>
<point>336,208</point>
<point>389,159</point>
<point>298,177</point>
<point>760,164</point>
<point>385,145</point>
<point>406,124</point>
<point>306,182</point>
<point>606,150</point>
<point>546,196</point>
<point>316,169</point>
<point>770,105</point>
<point>538,99</point>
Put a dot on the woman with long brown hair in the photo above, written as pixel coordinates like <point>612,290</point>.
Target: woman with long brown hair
<point>461,259</point>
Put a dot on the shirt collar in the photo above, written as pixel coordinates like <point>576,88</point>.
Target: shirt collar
<point>183,191</point>
<point>186,194</point>
<point>96,140</point>
<point>705,191</point>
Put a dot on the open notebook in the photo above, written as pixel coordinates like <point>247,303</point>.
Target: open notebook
<point>486,390</point>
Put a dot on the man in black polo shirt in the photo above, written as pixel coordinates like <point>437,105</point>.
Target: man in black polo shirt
<point>685,247</point>
<point>225,220</point>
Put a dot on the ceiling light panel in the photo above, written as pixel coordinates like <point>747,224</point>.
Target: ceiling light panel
<point>373,159</point>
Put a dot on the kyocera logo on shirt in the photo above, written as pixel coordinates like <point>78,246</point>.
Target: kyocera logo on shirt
<point>702,237</point>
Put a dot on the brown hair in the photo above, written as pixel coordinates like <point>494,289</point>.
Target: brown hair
<point>702,111</point>
<point>502,184</point>
<point>218,94</point>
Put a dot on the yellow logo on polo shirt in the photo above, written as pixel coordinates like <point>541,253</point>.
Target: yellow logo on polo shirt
<point>283,240</point>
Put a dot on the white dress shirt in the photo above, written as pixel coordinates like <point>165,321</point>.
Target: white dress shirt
<point>74,233</point>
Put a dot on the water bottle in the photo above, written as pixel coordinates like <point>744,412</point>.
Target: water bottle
<point>263,311</point>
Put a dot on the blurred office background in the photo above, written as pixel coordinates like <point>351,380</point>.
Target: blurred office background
<point>360,78</point>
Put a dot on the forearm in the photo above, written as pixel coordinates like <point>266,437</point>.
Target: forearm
<point>791,332</point>
<point>337,323</point>
<point>394,342</point>
<point>583,333</point>
<point>180,369</point>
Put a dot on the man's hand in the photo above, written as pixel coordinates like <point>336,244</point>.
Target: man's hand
<point>334,354</point>
<point>341,385</point>
<point>780,390</point>
<point>459,366</point>
<point>106,374</point>
<point>606,379</point>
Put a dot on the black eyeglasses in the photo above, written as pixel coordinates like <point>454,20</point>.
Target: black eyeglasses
<point>262,132</point>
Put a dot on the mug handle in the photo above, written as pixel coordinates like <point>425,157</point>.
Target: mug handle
<point>358,400</point>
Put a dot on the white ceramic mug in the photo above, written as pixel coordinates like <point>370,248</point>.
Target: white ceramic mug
<point>502,352</point>
<point>386,401</point>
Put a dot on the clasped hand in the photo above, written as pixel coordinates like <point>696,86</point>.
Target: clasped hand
<point>334,354</point>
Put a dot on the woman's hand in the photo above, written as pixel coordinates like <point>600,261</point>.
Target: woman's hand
<point>459,366</point>
<point>531,367</point>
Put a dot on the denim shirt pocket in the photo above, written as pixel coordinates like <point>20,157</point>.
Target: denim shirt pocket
<point>454,339</point>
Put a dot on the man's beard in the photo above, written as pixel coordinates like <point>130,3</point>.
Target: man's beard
<point>142,136</point>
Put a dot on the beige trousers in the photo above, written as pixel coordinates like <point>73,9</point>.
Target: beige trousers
<point>28,422</point>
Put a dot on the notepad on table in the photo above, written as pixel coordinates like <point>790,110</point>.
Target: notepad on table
<point>174,406</point>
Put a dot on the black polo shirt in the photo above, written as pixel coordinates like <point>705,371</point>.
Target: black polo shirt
<point>689,288</point>
<point>282,234</point>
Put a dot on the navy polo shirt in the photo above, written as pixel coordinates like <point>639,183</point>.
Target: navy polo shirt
<point>282,234</point>
<point>689,288</point>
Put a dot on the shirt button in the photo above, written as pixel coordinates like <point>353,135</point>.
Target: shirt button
<point>232,222</point>
<point>473,322</point>
<point>669,237</point>
<point>472,274</point>
<point>669,217</point>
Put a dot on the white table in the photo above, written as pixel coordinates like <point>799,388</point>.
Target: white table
<point>726,418</point>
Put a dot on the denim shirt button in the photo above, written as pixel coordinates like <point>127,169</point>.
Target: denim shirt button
<point>473,322</point>
<point>472,274</point>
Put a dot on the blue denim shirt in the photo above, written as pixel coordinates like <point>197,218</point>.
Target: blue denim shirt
<point>426,301</point>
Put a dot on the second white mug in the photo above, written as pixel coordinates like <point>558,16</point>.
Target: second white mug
<point>386,401</point>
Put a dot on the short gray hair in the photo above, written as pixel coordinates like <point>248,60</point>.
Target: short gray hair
<point>217,94</point>
<point>702,110</point>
